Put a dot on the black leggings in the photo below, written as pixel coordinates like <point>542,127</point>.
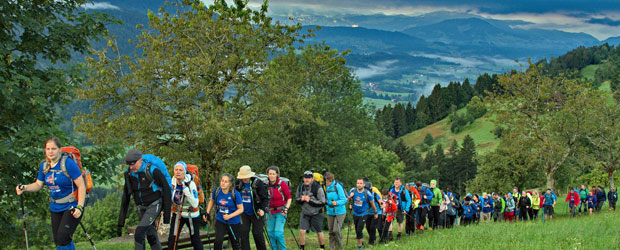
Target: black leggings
<point>194,231</point>
<point>257,225</point>
<point>422,215</point>
<point>523,214</point>
<point>63,227</point>
<point>233,236</point>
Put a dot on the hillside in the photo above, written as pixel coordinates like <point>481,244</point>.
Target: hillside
<point>481,130</point>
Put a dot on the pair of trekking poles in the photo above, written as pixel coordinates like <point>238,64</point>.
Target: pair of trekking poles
<point>21,199</point>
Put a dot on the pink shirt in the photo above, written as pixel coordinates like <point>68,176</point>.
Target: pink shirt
<point>276,197</point>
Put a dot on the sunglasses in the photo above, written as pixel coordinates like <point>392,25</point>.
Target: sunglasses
<point>130,162</point>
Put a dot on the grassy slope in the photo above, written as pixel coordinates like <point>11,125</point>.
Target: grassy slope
<point>481,130</point>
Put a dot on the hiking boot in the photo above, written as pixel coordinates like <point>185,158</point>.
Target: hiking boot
<point>398,236</point>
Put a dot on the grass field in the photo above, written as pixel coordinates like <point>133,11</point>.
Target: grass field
<point>600,231</point>
<point>588,71</point>
<point>481,130</point>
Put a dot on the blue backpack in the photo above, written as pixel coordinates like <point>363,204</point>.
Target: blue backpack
<point>152,163</point>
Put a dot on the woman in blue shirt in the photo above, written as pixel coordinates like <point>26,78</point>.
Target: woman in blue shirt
<point>66,192</point>
<point>229,206</point>
<point>336,210</point>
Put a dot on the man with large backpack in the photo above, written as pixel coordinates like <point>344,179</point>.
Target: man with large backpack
<point>149,181</point>
<point>363,208</point>
<point>311,197</point>
<point>255,198</point>
<point>415,202</point>
<point>404,203</point>
<point>425,203</point>
<point>601,197</point>
<point>583,197</point>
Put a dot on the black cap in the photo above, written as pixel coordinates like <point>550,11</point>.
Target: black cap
<point>133,155</point>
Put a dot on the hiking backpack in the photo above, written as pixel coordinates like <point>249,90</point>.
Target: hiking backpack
<point>265,179</point>
<point>75,155</point>
<point>193,172</point>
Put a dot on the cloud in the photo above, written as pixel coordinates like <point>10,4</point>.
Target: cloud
<point>381,68</point>
<point>99,6</point>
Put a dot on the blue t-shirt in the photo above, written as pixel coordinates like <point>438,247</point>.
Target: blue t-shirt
<point>177,195</point>
<point>549,198</point>
<point>377,205</point>
<point>361,206</point>
<point>59,185</point>
<point>246,198</point>
<point>225,205</point>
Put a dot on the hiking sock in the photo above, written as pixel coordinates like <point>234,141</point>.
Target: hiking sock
<point>322,247</point>
<point>302,247</point>
<point>398,236</point>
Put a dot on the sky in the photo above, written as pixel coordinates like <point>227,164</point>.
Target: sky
<point>599,18</point>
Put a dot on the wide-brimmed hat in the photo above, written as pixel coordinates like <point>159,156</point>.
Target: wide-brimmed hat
<point>245,172</point>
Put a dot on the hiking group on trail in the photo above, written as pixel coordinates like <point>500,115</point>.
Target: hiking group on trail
<point>259,203</point>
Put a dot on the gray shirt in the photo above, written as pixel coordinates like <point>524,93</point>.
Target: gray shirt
<point>317,201</point>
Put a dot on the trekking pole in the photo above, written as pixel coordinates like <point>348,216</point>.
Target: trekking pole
<point>21,198</point>
<point>178,222</point>
<point>265,230</point>
<point>293,233</point>
<point>92,243</point>
<point>349,228</point>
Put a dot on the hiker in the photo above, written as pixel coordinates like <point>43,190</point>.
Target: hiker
<point>410,223</point>
<point>498,207</point>
<point>591,202</point>
<point>255,198</point>
<point>452,210</point>
<point>363,207</point>
<point>311,197</point>
<point>372,224</point>
<point>487,207</point>
<point>583,198</point>
<point>536,202</point>
<point>612,197</point>
<point>600,198</point>
<point>184,199</point>
<point>336,211</point>
<point>524,204</point>
<point>509,210</point>
<point>516,195</point>
<point>389,212</point>
<point>403,202</point>
<point>468,211</point>
<point>476,206</point>
<point>229,207</point>
<point>443,210</point>
<point>426,194</point>
<point>65,209</point>
<point>435,201</point>
<point>549,201</point>
<point>280,202</point>
<point>573,199</point>
<point>147,179</point>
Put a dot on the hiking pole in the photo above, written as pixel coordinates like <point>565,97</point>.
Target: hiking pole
<point>92,243</point>
<point>293,233</point>
<point>178,222</point>
<point>21,198</point>
<point>348,229</point>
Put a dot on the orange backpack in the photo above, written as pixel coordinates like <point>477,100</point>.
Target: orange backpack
<point>193,171</point>
<point>75,155</point>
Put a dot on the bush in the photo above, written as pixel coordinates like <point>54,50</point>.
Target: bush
<point>101,219</point>
<point>428,139</point>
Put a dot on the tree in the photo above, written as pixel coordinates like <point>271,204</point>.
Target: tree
<point>465,163</point>
<point>39,40</point>
<point>604,136</point>
<point>409,156</point>
<point>399,120</point>
<point>428,139</point>
<point>546,113</point>
<point>204,80</point>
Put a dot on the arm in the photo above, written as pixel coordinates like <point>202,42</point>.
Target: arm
<point>210,206</point>
<point>342,198</point>
<point>160,180</point>
<point>32,187</point>
<point>124,202</point>
<point>263,195</point>
<point>298,195</point>
<point>239,205</point>
<point>191,194</point>
<point>372,202</point>
<point>319,200</point>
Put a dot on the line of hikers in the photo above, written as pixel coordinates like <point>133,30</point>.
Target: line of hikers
<point>242,205</point>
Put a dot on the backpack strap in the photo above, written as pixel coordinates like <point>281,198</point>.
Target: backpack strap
<point>148,174</point>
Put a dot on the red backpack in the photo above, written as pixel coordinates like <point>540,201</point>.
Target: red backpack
<point>193,171</point>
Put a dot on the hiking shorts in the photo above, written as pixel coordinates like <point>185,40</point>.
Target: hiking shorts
<point>549,209</point>
<point>400,217</point>
<point>312,223</point>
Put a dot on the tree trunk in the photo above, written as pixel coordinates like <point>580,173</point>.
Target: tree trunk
<point>550,180</point>
<point>611,179</point>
